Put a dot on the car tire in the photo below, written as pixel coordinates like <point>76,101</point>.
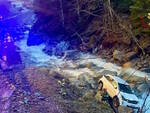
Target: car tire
<point>100,85</point>
<point>115,102</point>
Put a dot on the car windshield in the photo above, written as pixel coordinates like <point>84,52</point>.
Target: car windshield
<point>125,88</point>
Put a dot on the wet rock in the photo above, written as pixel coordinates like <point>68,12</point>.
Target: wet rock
<point>79,66</point>
<point>61,48</point>
<point>58,48</point>
<point>125,110</point>
<point>118,55</point>
<point>97,68</point>
<point>105,72</point>
<point>72,65</point>
<point>90,65</point>
<point>37,94</point>
<point>86,81</point>
<point>130,56</point>
<point>26,100</point>
<point>72,54</point>
<point>34,39</point>
<point>126,65</point>
<point>49,50</point>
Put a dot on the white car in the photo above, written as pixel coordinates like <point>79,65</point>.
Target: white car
<point>119,91</point>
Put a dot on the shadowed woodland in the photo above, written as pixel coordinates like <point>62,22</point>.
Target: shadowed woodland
<point>95,24</point>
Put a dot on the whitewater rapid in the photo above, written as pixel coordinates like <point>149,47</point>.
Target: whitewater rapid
<point>34,56</point>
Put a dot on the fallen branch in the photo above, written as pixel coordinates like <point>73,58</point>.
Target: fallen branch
<point>76,33</point>
<point>78,8</point>
<point>90,13</point>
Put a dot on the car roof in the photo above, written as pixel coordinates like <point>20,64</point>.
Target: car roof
<point>119,80</point>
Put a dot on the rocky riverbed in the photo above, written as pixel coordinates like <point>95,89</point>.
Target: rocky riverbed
<point>83,73</point>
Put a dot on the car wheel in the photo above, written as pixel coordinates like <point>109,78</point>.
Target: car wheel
<point>100,85</point>
<point>115,102</point>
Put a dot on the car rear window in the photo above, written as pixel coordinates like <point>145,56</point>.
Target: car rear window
<point>125,88</point>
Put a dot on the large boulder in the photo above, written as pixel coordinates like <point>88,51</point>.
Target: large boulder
<point>35,39</point>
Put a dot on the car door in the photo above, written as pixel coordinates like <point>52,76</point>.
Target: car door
<point>110,87</point>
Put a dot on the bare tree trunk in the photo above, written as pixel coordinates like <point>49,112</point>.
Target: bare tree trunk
<point>62,13</point>
<point>78,8</point>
